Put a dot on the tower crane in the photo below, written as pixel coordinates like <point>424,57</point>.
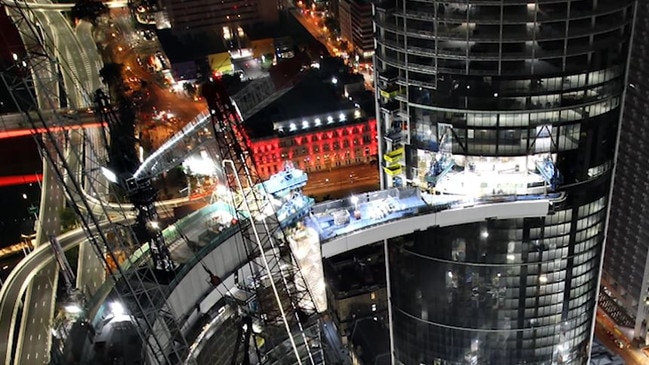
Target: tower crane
<point>285,303</point>
<point>33,79</point>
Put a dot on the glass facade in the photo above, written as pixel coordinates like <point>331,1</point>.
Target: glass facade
<point>499,291</point>
<point>491,98</point>
<point>626,271</point>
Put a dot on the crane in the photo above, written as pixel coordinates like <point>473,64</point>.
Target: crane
<point>33,80</point>
<point>284,304</point>
<point>284,300</point>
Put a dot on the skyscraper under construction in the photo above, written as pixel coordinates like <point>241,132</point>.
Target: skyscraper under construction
<point>501,101</point>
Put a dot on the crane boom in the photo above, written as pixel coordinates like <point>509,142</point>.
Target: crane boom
<point>33,81</point>
<point>284,302</point>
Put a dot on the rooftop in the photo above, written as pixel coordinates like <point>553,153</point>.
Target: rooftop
<point>190,47</point>
<point>310,96</point>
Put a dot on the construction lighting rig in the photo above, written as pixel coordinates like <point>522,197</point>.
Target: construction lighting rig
<point>33,79</point>
<point>285,305</point>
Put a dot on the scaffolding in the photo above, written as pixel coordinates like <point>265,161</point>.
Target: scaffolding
<point>284,303</point>
<point>34,80</point>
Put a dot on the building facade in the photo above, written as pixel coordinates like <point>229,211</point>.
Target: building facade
<point>626,270</point>
<point>356,288</point>
<point>356,27</point>
<point>198,15</point>
<point>317,143</point>
<point>500,100</point>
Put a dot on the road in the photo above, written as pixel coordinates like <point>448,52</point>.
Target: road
<point>16,284</point>
<point>631,355</point>
<point>40,296</point>
<point>126,47</point>
<point>317,33</point>
<point>80,63</point>
<point>343,181</point>
<point>77,53</point>
<point>79,60</point>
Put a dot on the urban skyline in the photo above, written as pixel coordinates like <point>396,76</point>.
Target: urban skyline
<point>508,113</point>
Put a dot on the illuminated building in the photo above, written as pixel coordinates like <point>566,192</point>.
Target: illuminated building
<point>500,100</point>
<point>313,145</point>
<point>314,128</point>
<point>356,26</point>
<point>626,271</point>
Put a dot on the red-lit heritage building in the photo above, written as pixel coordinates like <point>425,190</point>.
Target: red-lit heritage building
<point>320,142</point>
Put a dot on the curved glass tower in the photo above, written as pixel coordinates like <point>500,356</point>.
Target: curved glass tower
<point>500,99</point>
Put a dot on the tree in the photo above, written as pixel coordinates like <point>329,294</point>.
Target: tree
<point>111,75</point>
<point>69,219</point>
<point>89,10</point>
<point>123,156</point>
<point>189,89</point>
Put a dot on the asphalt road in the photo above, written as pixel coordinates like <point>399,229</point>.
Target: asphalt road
<point>17,283</point>
<point>343,181</point>
<point>631,355</point>
<point>315,31</point>
<point>34,342</point>
<point>77,53</point>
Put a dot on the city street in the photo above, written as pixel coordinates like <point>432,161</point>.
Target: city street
<point>319,32</point>
<point>311,25</point>
<point>342,182</point>
<point>631,355</point>
<point>129,47</point>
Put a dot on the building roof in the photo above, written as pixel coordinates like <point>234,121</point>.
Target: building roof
<point>310,96</point>
<point>287,26</point>
<point>190,47</point>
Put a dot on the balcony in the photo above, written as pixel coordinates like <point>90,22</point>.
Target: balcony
<point>391,106</point>
<point>389,76</point>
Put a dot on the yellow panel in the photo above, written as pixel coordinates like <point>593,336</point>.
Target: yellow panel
<point>394,156</point>
<point>393,170</point>
<point>220,62</point>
